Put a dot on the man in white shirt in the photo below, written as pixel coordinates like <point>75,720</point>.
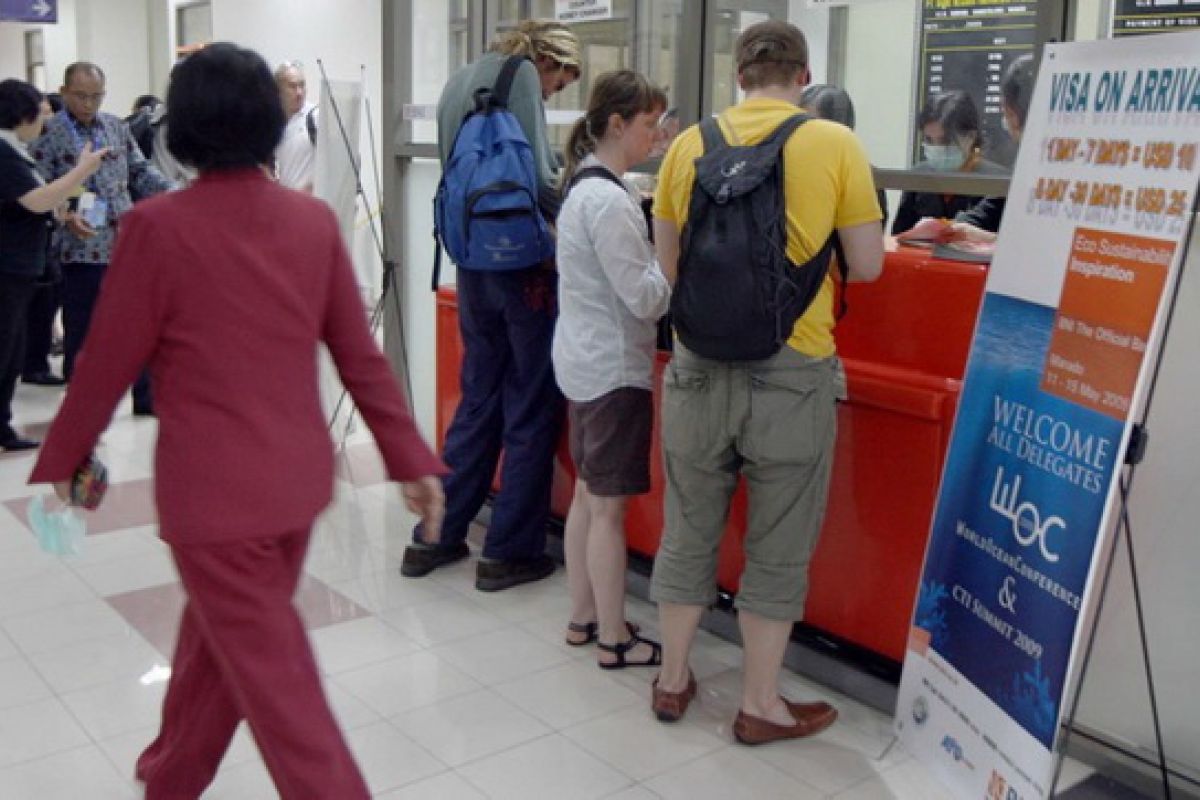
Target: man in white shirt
<point>297,151</point>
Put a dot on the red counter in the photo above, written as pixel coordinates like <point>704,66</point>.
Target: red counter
<point>904,343</point>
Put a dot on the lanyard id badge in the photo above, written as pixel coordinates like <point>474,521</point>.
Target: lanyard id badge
<point>93,209</point>
<point>94,135</point>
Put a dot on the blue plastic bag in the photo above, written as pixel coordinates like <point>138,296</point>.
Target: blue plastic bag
<point>59,532</point>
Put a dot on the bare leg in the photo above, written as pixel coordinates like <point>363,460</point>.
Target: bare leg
<point>575,547</point>
<point>678,623</point>
<point>763,642</point>
<point>606,561</point>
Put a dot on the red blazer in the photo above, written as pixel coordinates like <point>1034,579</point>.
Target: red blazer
<point>225,289</point>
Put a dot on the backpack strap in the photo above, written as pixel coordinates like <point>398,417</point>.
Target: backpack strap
<point>437,259</point>
<point>504,81</point>
<point>785,130</point>
<point>710,133</point>
<point>594,172</point>
<point>310,124</point>
<point>843,270</point>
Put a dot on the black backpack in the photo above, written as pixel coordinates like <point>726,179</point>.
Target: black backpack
<point>310,125</point>
<point>738,296</point>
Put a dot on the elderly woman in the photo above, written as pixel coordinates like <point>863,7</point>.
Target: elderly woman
<point>26,206</point>
<point>225,289</point>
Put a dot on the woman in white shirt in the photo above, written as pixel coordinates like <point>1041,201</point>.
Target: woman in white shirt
<point>611,293</point>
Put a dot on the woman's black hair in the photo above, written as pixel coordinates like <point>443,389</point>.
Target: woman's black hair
<point>1016,87</point>
<point>957,114</point>
<point>828,102</point>
<point>225,109</point>
<point>20,102</point>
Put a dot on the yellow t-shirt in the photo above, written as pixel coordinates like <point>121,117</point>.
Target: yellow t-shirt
<point>827,185</point>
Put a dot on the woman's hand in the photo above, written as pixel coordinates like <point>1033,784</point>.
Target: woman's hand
<point>63,490</point>
<point>965,231</point>
<point>77,226</point>
<point>89,160</point>
<point>424,498</point>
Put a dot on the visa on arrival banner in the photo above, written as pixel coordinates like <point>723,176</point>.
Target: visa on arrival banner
<point>1098,214</point>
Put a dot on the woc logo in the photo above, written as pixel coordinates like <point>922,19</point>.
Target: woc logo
<point>1028,526</point>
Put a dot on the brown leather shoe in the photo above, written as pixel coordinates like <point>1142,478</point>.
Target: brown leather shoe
<point>671,706</point>
<point>810,718</point>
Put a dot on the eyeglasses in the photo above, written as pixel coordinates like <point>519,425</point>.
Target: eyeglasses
<point>84,97</point>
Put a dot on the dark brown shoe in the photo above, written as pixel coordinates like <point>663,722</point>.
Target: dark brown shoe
<point>495,576</point>
<point>419,561</point>
<point>671,706</point>
<point>810,718</point>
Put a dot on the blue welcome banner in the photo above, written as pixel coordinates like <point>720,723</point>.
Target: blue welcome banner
<point>1098,213</point>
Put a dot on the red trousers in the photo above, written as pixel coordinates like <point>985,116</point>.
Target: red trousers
<point>242,653</point>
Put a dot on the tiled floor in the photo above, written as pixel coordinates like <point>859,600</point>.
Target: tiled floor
<point>443,692</point>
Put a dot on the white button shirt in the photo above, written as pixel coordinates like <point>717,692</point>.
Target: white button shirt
<point>296,153</point>
<point>611,291</point>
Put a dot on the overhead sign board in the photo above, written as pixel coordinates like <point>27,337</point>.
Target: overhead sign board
<point>582,10</point>
<point>1137,17</point>
<point>29,10</point>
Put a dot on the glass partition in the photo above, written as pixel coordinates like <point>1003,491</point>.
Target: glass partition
<point>726,19</point>
<point>606,44</point>
<point>888,55</point>
<point>861,45</point>
<point>443,47</point>
<point>638,35</point>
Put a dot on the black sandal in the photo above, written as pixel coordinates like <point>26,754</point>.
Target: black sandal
<point>621,648</point>
<point>591,631</point>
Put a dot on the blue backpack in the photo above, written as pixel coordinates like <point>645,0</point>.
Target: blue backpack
<point>485,212</point>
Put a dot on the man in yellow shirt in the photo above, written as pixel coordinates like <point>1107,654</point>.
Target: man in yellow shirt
<point>772,420</point>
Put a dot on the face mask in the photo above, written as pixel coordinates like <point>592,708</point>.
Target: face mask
<point>943,157</point>
<point>1004,124</point>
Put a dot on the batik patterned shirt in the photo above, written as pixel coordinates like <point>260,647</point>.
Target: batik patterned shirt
<point>124,176</point>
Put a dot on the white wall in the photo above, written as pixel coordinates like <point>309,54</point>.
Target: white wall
<point>430,71</point>
<point>419,306</point>
<point>344,35</point>
<point>114,35</point>
<point>1163,507</point>
<point>61,43</point>
<point>12,50</point>
<point>815,24</point>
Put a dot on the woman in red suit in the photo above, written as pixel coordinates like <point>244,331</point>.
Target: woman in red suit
<point>225,289</point>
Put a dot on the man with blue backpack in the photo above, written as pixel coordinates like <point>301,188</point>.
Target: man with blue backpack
<point>493,215</point>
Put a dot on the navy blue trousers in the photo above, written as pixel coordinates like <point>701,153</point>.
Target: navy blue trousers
<point>16,292</point>
<point>47,297</point>
<point>81,289</point>
<point>510,403</point>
